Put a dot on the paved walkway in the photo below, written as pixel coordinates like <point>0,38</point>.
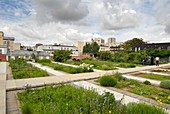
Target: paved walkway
<point>3,68</point>
<point>101,90</point>
<point>158,73</point>
<point>36,82</point>
<point>140,79</point>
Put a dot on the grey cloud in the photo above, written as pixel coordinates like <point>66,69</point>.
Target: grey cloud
<point>167,26</point>
<point>119,16</point>
<point>61,10</point>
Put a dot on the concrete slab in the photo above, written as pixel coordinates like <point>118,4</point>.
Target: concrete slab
<point>158,73</point>
<point>153,82</point>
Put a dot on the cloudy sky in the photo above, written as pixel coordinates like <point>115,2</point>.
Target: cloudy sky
<point>68,21</point>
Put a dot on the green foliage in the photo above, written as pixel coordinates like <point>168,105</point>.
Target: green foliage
<point>158,53</point>
<point>165,84</point>
<point>21,69</point>
<point>129,43</point>
<point>62,55</point>
<point>126,65</point>
<point>118,76</point>
<point>92,48</point>
<point>143,108</point>
<point>44,61</point>
<point>104,55</point>
<point>65,99</point>
<point>156,77</point>
<point>107,81</point>
<point>146,82</point>
<point>26,109</point>
<point>129,57</point>
<point>68,69</point>
<point>127,83</point>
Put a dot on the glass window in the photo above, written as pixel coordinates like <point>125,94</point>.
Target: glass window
<point>0,51</point>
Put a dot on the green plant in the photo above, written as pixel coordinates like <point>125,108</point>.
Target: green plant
<point>108,81</point>
<point>21,69</point>
<point>143,108</point>
<point>62,55</point>
<point>165,84</point>
<point>44,61</point>
<point>126,65</point>
<point>26,109</point>
<point>118,76</point>
<point>146,82</point>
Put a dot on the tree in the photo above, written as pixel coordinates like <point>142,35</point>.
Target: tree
<point>62,55</point>
<point>92,48</point>
<point>129,43</point>
<point>104,55</point>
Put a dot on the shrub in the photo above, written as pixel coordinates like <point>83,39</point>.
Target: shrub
<point>125,65</point>
<point>165,84</point>
<point>142,108</point>
<point>108,81</point>
<point>146,82</point>
<point>118,76</point>
<point>44,61</point>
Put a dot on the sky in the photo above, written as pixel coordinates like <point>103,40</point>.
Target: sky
<point>68,21</point>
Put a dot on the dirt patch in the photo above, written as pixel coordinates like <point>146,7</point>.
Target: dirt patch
<point>139,74</point>
<point>161,71</point>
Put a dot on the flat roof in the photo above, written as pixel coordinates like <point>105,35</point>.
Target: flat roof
<point>9,38</point>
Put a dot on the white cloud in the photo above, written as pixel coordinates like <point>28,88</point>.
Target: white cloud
<point>119,16</point>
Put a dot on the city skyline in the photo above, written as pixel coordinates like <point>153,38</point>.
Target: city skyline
<point>67,21</point>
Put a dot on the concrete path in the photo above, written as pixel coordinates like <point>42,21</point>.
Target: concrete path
<point>19,84</point>
<point>41,81</point>
<point>101,90</point>
<point>140,79</point>
<point>3,69</point>
<point>48,69</point>
<point>158,73</point>
<point>76,66</point>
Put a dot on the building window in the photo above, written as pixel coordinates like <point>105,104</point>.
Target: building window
<point>0,51</point>
<point>168,48</point>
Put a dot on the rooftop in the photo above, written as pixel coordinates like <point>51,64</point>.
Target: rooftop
<point>9,38</point>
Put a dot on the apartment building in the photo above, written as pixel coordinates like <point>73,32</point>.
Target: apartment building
<point>99,41</point>
<point>51,48</point>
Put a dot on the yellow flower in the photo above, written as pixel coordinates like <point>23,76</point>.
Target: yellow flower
<point>110,111</point>
<point>156,98</point>
<point>67,104</point>
<point>169,97</point>
<point>160,103</point>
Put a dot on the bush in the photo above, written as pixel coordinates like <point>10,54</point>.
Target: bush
<point>146,82</point>
<point>118,76</point>
<point>44,61</point>
<point>108,81</point>
<point>165,84</point>
<point>142,108</point>
<point>125,65</point>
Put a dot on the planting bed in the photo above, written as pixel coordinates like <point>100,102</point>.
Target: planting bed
<point>21,69</point>
<point>161,71</point>
<point>103,65</point>
<point>66,99</point>
<point>68,69</point>
<point>152,76</point>
<point>159,94</point>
